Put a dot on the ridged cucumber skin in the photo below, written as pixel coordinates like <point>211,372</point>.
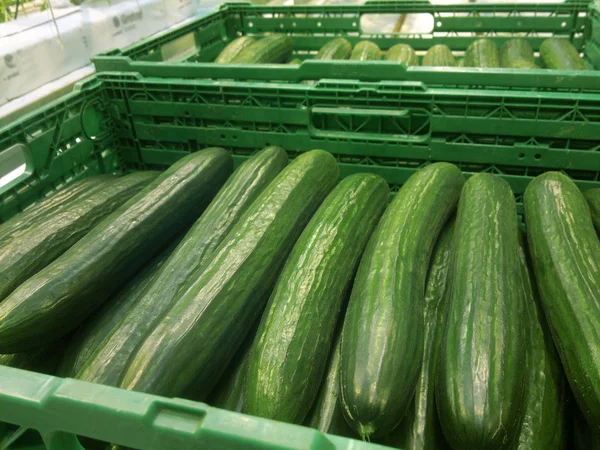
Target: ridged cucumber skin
<point>44,209</point>
<point>382,338</point>
<point>63,294</point>
<point>516,50</point>
<point>184,266</point>
<point>543,423</point>
<point>90,335</point>
<point>565,253</point>
<point>364,51</point>
<point>521,64</point>
<point>593,198</point>
<point>268,50</point>
<point>326,413</point>
<point>560,54</point>
<point>439,56</point>
<point>424,431</point>
<point>295,61</point>
<point>297,329</point>
<point>402,53</point>
<point>42,360</point>
<point>233,49</point>
<point>338,48</point>
<point>25,255</point>
<point>481,366</point>
<point>196,339</point>
<point>482,53</point>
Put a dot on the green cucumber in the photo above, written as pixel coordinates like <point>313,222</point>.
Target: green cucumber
<point>482,53</point>
<point>522,64</point>
<point>544,419</point>
<point>382,339</point>
<point>565,253</point>
<point>44,209</point>
<point>326,414</point>
<point>90,335</point>
<point>233,49</point>
<point>25,255</point>
<point>296,332</point>
<point>583,437</point>
<point>63,294</point>
<point>593,198</point>
<point>193,343</point>
<point>516,50</point>
<point>423,426</point>
<point>295,61</point>
<point>41,360</point>
<point>271,49</point>
<point>560,54</point>
<point>439,55</point>
<point>184,266</point>
<point>338,48</point>
<point>460,62</point>
<point>365,50</point>
<point>402,53</point>
<point>481,366</point>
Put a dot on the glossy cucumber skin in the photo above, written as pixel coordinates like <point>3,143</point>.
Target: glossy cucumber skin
<point>184,266</point>
<point>522,64</point>
<point>565,253</point>
<point>482,53</point>
<point>385,313</point>
<point>560,54</point>
<point>326,413</point>
<point>365,50</point>
<point>233,49</point>
<point>268,50</point>
<point>402,53</point>
<point>583,438</point>
<point>34,249</point>
<point>423,426</point>
<point>439,55</point>
<point>63,294</point>
<point>338,48</point>
<point>42,360</point>
<point>297,329</point>
<point>90,335</point>
<point>543,425</point>
<point>516,50</point>
<point>194,342</point>
<point>44,209</point>
<point>593,198</point>
<point>481,375</point>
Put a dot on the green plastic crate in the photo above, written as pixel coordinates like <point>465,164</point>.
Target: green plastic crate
<point>122,122</point>
<point>187,51</point>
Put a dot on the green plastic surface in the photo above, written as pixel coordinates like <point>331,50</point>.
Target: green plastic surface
<point>188,51</point>
<point>391,129</point>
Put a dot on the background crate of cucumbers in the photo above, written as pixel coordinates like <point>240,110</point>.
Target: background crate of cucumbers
<point>188,51</point>
<point>137,127</point>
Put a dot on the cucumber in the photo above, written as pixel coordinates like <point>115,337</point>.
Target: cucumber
<point>423,426</point>
<point>338,48</point>
<point>593,198</point>
<point>271,49</point>
<point>583,437</point>
<point>481,366</point>
<point>184,266</point>
<point>90,335</point>
<point>382,339</point>
<point>295,61</point>
<point>560,54</point>
<point>521,64</point>
<point>482,53</point>
<point>460,62</point>
<point>326,414</point>
<point>439,55</point>
<point>402,53</point>
<point>516,50</point>
<point>44,209</point>
<point>365,50</point>
<point>296,331</point>
<point>196,339</point>
<point>63,294</point>
<point>42,360</point>
<point>233,49</point>
<point>25,255</point>
<point>543,423</point>
<point>565,253</point>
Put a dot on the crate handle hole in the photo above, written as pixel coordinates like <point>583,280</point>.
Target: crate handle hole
<point>235,138</point>
<point>187,114</point>
<point>318,24</point>
<point>564,24</point>
<point>250,24</point>
<point>16,165</point>
<point>223,136</point>
<point>521,155</point>
<point>438,24</point>
<point>538,156</point>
